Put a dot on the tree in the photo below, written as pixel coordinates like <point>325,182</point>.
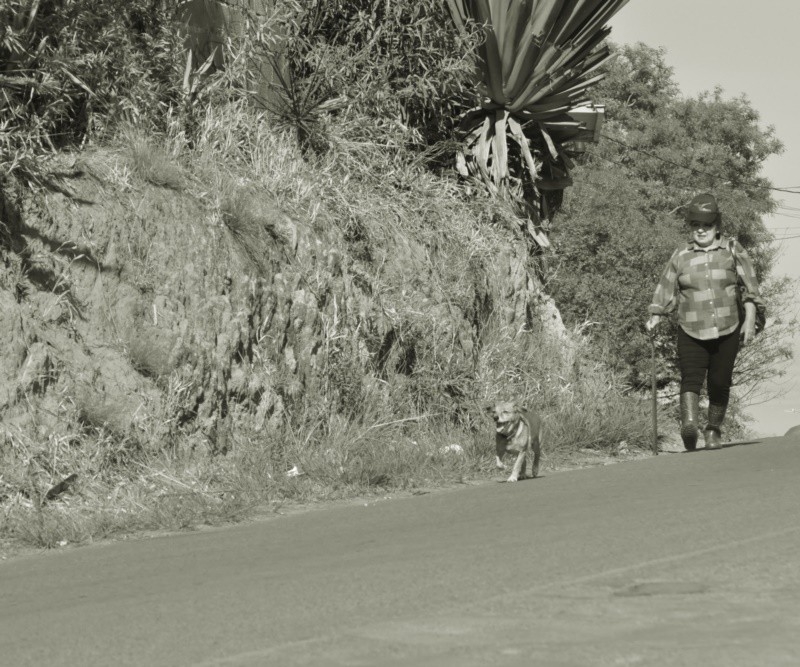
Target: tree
<point>619,225</point>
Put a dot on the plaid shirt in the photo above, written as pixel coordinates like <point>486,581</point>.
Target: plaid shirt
<point>703,284</point>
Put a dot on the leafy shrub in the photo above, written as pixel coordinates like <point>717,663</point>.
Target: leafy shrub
<point>74,68</point>
<point>389,72</point>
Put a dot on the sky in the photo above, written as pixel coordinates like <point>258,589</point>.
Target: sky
<point>752,49</point>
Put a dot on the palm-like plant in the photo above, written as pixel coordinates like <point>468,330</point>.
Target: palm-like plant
<point>537,60</point>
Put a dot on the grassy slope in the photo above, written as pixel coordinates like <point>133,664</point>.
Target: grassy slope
<point>187,326</point>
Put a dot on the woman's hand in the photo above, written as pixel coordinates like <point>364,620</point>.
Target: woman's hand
<point>652,323</point>
<point>748,331</point>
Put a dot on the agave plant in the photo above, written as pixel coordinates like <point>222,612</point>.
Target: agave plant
<point>536,62</point>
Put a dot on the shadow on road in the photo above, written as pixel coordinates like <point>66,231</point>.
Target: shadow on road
<point>725,445</point>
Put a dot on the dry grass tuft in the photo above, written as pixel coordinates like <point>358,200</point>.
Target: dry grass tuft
<point>151,162</point>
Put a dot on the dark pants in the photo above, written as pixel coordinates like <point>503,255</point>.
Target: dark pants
<point>715,358</point>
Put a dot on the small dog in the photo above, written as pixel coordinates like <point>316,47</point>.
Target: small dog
<point>518,431</point>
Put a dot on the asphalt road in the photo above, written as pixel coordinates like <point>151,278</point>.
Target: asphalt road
<point>683,559</point>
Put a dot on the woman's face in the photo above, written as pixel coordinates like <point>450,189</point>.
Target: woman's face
<point>703,233</point>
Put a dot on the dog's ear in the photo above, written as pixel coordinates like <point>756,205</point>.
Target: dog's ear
<point>519,408</point>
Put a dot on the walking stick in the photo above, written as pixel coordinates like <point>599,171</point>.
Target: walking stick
<point>655,402</point>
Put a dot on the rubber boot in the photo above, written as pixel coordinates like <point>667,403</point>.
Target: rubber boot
<point>690,416</point>
<point>712,433</point>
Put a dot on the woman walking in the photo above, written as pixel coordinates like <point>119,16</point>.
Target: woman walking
<point>701,280</point>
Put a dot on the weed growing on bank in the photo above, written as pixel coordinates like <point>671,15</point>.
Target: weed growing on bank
<point>123,487</point>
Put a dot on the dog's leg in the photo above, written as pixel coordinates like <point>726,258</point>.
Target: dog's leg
<point>499,450</point>
<point>537,453</point>
<point>518,466</point>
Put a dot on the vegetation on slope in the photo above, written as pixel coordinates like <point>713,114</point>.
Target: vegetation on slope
<point>212,307</point>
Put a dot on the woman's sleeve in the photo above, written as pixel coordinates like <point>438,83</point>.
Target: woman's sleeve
<point>747,275</point>
<point>665,297</point>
